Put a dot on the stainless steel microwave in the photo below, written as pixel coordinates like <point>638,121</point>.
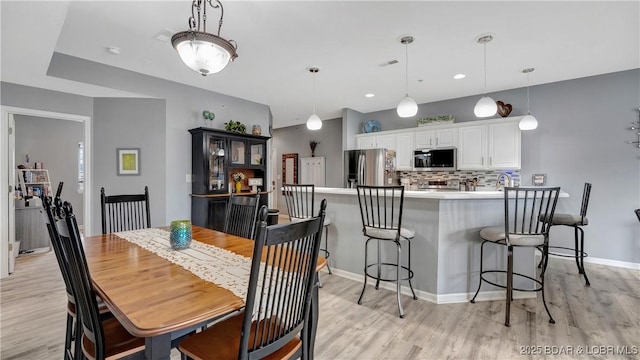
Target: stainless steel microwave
<point>442,159</point>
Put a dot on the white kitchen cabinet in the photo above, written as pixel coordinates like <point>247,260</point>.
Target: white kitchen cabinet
<point>366,142</point>
<point>472,147</point>
<point>504,146</point>
<point>369,141</point>
<point>492,146</point>
<point>404,151</point>
<point>429,139</point>
<point>312,171</point>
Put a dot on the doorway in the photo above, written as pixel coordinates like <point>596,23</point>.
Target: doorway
<point>8,176</point>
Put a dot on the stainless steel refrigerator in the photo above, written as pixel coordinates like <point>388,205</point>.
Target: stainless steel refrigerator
<point>369,167</point>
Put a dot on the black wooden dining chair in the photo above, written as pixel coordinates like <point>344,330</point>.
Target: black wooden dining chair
<point>51,211</point>
<point>102,337</point>
<point>125,212</point>
<point>50,218</point>
<point>283,268</point>
<point>527,214</point>
<point>637,211</point>
<point>242,212</point>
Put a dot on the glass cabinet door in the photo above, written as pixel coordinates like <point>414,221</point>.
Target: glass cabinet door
<point>238,152</point>
<point>217,166</point>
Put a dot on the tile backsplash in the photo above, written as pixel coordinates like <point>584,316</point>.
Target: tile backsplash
<point>486,178</point>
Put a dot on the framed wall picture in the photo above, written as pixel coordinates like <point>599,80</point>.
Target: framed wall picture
<point>128,161</point>
<point>539,179</point>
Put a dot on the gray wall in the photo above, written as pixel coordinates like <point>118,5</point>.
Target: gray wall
<point>184,106</point>
<point>40,99</point>
<point>295,139</point>
<point>581,137</point>
<point>53,142</point>
<point>130,123</point>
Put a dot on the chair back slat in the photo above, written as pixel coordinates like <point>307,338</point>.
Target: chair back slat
<point>81,280</point>
<point>528,210</point>
<point>125,212</point>
<point>381,207</point>
<point>242,212</point>
<point>282,276</point>
<point>300,200</point>
<point>586,193</point>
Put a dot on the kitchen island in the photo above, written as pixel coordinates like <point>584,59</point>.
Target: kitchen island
<point>445,253</point>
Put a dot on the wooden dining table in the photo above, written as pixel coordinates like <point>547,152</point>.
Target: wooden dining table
<point>161,301</point>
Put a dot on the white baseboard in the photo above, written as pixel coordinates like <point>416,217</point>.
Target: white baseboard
<point>433,298</point>
<point>600,261</point>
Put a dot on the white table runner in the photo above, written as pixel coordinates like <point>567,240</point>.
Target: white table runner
<point>210,263</point>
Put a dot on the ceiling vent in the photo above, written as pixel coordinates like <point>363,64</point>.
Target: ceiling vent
<point>390,62</point>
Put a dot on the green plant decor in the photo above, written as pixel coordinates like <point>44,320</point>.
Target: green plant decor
<point>235,126</point>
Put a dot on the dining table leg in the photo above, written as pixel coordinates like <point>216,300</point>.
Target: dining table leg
<point>158,347</point>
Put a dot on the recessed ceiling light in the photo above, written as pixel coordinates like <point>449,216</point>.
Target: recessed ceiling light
<point>113,50</point>
<point>164,35</point>
<point>369,95</point>
<point>459,76</point>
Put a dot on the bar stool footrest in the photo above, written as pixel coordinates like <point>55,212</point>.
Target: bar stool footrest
<point>409,272</point>
<point>575,252</point>
<point>537,282</point>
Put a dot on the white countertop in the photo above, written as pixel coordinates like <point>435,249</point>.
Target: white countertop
<point>438,195</point>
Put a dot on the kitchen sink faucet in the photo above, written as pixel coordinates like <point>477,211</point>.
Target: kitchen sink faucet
<point>507,182</point>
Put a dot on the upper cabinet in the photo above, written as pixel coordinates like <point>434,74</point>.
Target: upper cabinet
<point>504,145</point>
<point>429,139</point>
<point>491,146</point>
<point>247,152</point>
<point>371,141</point>
<point>482,144</point>
<point>472,149</point>
<point>401,143</point>
<point>404,151</point>
<point>218,153</point>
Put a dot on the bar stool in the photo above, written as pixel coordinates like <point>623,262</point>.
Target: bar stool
<point>300,200</point>
<point>576,222</point>
<point>526,214</point>
<point>381,213</point>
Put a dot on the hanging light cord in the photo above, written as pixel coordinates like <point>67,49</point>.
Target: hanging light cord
<point>528,112</point>
<point>485,68</point>
<point>314,91</point>
<point>406,70</point>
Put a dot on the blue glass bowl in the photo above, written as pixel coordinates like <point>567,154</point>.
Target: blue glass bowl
<point>180,237</point>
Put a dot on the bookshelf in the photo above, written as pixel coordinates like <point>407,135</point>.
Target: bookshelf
<point>34,182</point>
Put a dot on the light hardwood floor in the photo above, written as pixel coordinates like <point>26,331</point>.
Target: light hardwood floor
<point>606,314</point>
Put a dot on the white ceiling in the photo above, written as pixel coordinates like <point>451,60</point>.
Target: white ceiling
<point>347,40</point>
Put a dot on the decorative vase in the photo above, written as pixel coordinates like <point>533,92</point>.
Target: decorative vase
<point>180,237</point>
<point>238,186</point>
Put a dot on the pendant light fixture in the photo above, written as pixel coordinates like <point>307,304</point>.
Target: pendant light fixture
<point>528,122</point>
<point>486,106</point>
<point>407,106</point>
<point>314,122</point>
<point>202,52</point>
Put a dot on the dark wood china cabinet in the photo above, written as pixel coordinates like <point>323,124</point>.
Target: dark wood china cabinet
<point>215,156</point>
